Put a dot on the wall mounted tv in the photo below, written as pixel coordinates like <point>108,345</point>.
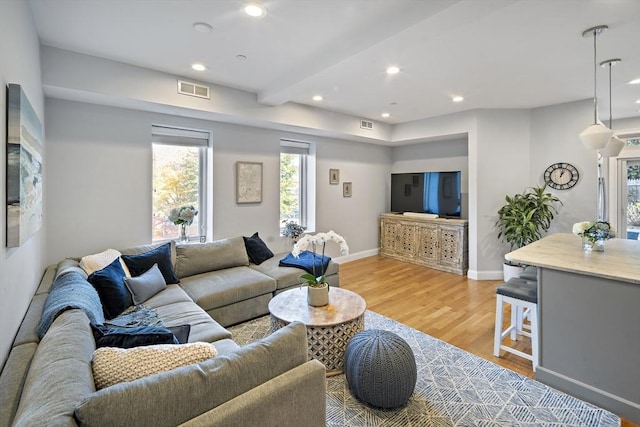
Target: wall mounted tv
<point>427,192</point>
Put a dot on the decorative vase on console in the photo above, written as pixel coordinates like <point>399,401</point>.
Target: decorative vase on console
<point>317,286</point>
<point>593,233</point>
<point>183,216</point>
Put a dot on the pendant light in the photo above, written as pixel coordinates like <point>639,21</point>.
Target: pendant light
<point>615,144</point>
<point>597,135</point>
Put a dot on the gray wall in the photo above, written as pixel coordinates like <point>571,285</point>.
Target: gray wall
<point>21,267</point>
<point>99,170</point>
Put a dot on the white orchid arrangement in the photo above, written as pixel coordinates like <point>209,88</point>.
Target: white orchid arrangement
<point>594,230</point>
<point>315,241</point>
<point>183,215</point>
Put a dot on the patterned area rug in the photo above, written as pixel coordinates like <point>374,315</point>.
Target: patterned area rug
<point>454,388</point>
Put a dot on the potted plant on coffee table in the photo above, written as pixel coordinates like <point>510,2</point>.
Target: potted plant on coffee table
<point>317,286</point>
<point>523,219</point>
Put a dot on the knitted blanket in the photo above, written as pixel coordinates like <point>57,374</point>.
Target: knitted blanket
<point>70,290</point>
<point>306,261</point>
<point>136,315</point>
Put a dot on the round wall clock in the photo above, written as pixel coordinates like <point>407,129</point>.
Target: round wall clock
<point>561,176</point>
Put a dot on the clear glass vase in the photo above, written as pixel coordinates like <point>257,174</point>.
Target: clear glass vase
<point>595,245</point>
<point>183,233</point>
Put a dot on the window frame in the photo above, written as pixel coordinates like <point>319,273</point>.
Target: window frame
<point>307,179</point>
<point>192,138</point>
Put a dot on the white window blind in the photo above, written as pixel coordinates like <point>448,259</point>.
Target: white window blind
<point>175,136</point>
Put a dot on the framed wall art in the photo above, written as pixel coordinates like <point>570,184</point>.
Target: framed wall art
<point>346,189</point>
<point>24,168</point>
<point>248,182</point>
<point>334,176</point>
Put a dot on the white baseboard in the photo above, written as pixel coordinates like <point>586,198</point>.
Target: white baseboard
<point>357,255</point>
<point>485,275</point>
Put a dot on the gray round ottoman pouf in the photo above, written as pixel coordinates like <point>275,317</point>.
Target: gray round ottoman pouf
<point>380,368</point>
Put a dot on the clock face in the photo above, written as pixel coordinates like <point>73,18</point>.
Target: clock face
<point>561,176</point>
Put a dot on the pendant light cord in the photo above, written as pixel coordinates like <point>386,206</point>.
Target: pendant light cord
<point>610,113</point>
<point>595,80</point>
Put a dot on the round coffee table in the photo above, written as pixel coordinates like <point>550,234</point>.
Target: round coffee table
<point>329,328</point>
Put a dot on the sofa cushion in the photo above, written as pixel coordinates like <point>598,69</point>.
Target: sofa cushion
<point>12,379</point>
<point>91,263</point>
<point>228,286</point>
<point>257,250</point>
<point>47,280</point>
<point>161,255</point>
<point>60,373</point>
<point>115,365</point>
<point>146,285</point>
<point>197,258</point>
<point>171,398</point>
<point>175,308</point>
<point>28,331</point>
<point>137,336</point>
<point>109,283</point>
<point>203,327</point>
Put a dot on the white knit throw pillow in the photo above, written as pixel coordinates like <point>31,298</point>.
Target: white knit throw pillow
<point>95,262</point>
<point>115,365</point>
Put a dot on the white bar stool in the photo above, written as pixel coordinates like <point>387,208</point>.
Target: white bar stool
<point>523,297</point>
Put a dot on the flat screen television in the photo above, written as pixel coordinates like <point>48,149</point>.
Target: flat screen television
<point>427,192</point>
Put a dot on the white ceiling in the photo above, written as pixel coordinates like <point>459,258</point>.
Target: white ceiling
<point>495,53</point>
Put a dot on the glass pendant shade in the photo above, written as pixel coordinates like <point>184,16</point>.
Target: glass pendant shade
<point>613,147</point>
<point>596,136</point>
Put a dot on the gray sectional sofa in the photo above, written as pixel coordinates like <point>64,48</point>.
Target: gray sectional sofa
<point>49,381</point>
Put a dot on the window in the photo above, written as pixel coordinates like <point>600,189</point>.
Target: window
<point>628,189</point>
<point>179,179</point>
<point>297,196</point>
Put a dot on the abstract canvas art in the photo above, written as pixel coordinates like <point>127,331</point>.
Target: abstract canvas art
<point>24,168</point>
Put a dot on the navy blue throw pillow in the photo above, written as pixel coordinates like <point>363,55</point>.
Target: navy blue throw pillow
<point>257,250</point>
<point>132,337</point>
<point>138,264</point>
<point>181,332</point>
<point>109,283</point>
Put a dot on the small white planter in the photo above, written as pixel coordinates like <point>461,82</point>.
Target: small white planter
<point>510,271</point>
<point>317,297</point>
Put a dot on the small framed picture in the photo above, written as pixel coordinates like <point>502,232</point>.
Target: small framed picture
<point>346,189</point>
<point>334,176</point>
<point>248,182</point>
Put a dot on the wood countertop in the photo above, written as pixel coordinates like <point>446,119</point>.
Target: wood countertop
<point>619,261</point>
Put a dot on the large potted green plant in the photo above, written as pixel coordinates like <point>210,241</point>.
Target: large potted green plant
<point>524,218</point>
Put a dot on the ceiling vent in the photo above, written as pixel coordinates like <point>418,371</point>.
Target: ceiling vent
<point>193,89</point>
<point>366,124</point>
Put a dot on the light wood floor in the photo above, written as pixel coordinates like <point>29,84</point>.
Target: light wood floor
<point>452,308</point>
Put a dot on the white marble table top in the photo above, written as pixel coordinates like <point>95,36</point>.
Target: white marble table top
<point>619,261</point>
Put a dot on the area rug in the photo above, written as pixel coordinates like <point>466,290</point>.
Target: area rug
<point>454,388</point>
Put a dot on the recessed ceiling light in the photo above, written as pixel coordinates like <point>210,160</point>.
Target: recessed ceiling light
<point>638,101</point>
<point>241,57</point>
<point>634,82</point>
<point>202,27</point>
<point>317,98</point>
<point>393,70</point>
<point>385,115</point>
<point>256,10</point>
<point>198,67</point>
<point>457,99</point>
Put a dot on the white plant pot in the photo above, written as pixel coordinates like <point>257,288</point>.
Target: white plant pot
<point>510,271</point>
<point>317,297</point>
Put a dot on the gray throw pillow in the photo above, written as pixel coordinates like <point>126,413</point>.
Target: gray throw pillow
<point>146,285</point>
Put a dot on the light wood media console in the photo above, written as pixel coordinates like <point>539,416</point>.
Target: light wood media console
<point>432,242</point>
